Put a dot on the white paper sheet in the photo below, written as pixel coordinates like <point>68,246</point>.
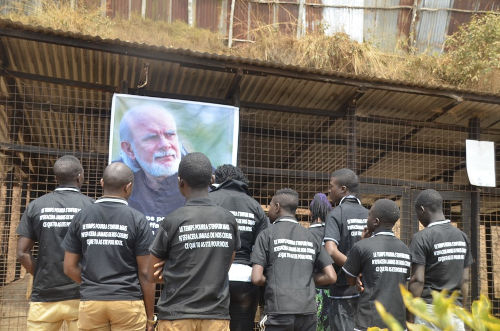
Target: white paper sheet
<point>480,156</point>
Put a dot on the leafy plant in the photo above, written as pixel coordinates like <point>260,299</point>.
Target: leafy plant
<point>479,319</point>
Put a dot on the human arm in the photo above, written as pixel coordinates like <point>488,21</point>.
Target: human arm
<point>333,230</point>
<point>465,287</point>
<point>258,277</point>
<point>24,256</point>
<point>72,267</point>
<point>416,284</point>
<point>327,276</point>
<point>333,251</point>
<point>147,286</point>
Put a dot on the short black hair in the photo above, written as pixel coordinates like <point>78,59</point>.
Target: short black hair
<point>288,199</point>
<point>196,170</point>
<point>67,168</point>
<point>320,207</point>
<point>430,199</point>
<point>348,178</point>
<point>229,171</point>
<point>116,175</point>
<point>387,211</point>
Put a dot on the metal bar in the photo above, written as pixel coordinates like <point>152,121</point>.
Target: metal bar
<point>474,133</point>
<point>351,137</point>
<point>16,148</point>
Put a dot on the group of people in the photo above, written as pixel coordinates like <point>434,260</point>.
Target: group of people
<point>98,261</point>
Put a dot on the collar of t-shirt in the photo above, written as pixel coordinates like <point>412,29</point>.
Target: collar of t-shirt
<point>349,197</point>
<point>438,223</point>
<point>316,225</point>
<point>383,233</point>
<point>67,188</point>
<point>286,219</point>
<point>115,200</point>
<point>199,202</point>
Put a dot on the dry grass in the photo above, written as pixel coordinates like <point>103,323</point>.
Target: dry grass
<point>335,53</point>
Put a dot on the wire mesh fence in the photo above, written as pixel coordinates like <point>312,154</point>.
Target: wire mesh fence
<point>395,157</point>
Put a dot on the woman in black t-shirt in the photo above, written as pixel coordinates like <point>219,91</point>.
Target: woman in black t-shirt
<point>319,208</point>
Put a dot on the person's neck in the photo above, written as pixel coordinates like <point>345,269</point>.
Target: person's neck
<point>76,185</point>
<point>154,182</point>
<point>383,228</point>
<point>197,194</point>
<point>286,214</point>
<point>436,217</point>
<point>113,195</point>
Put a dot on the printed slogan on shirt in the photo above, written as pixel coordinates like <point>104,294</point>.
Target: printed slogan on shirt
<point>103,237</point>
<point>391,262</point>
<point>205,235</point>
<point>57,217</point>
<point>294,249</point>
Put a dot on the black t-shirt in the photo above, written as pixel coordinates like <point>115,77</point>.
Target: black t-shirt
<point>251,218</point>
<point>445,252</point>
<point>46,221</point>
<point>155,203</point>
<point>384,261</point>
<point>197,242</point>
<point>318,231</point>
<point>344,225</point>
<point>289,253</point>
<point>109,235</point>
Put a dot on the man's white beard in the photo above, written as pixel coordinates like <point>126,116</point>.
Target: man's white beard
<point>159,170</point>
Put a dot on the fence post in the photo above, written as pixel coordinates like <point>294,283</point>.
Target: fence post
<point>301,19</point>
<point>143,8</point>
<point>231,19</point>
<point>474,133</point>
<point>413,25</point>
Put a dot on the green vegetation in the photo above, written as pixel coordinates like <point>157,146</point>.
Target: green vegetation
<point>471,60</point>
<point>479,319</point>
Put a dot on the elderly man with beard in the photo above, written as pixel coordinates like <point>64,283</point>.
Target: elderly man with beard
<point>151,147</point>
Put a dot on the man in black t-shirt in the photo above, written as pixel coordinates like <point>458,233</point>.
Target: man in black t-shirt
<point>440,255</point>
<point>343,228</point>
<point>384,263</point>
<point>284,258</point>
<point>107,251</point>
<point>197,244</point>
<point>54,297</point>
<point>232,194</point>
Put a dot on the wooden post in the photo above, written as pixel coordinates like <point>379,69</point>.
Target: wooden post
<point>412,38</point>
<point>231,18</point>
<point>301,19</point>
<point>143,9</point>
<point>191,12</point>
<point>15,216</point>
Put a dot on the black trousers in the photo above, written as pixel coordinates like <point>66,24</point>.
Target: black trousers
<point>244,299</point>
<point>291,322</point>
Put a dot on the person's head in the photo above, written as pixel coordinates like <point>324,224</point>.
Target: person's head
<point>283,203</point>
<point>69,171</point>
<point>227,172</point>
<point>148,140</point>
<point>195,173</point>
<point>384,214</point>
<point>319,207</point>
<point>117,180</point>
<point>429,205</point>
<point>343,182</point>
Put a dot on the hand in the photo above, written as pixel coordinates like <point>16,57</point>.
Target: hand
<point>366,233</point>
<point>359,284</point>
<point>158,274</point>
<point>150,327</point>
